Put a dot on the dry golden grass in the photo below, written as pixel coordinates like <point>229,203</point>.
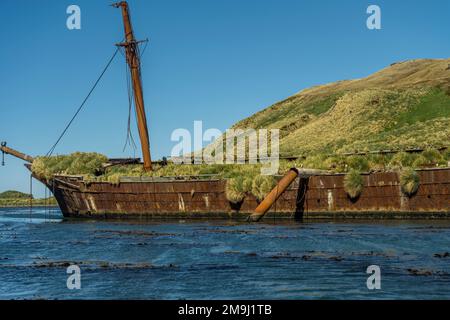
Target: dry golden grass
<point>353,184</point>
<point>409,181</point>
<point>234,190</point>
<point>355,118</point>
<point>402,106</point>
<point>78,163</point>
<point>262,185</point>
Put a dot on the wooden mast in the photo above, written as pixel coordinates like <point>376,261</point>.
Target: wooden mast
<point>132,56</point>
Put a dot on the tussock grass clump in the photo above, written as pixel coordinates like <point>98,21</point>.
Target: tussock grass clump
<point>244,182</point>
<point>402,159</point>
<point>358,163</point>
<point>239,186</point>
<point>378,162</point>
<point>420,161</point>
<point>433,156</point>
<point>409,181</point>
<point>316,162</point>
<point>335,163</point>
<point>262,185</point>
<point>114,178</point>
<point>353,184</point>
<point>286,165</point>
<point>210,169</point>
<point>247,184</point>
<point>78,163</point>
<point>374,162</point>
<point>177,170</point>
<point>234,190</point>
<point>446,155</point>
<point>429,158</point>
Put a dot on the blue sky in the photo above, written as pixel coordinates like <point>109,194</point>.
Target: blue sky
<point>212,60</point>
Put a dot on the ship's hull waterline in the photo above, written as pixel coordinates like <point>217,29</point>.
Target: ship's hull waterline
<point>318,196</point>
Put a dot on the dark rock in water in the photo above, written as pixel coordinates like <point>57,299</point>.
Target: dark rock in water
<point>227,231</point>
<point>54,264</point>
<point>336,258</point>
<point>442,255</point>
<point>282,255</point>
<point>231,252</point>
<point>283,237</point>
<point>420,272</point>
<point>135,233</point>
<point>91,265</point>
<point>276,257</point>
<point>374,254</point>
<point>130,265</point>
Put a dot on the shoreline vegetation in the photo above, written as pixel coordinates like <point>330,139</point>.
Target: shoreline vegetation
<point>12,198</point>
<point>246,179</point>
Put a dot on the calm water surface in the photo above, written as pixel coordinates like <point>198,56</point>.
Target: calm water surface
<point>221,259</point>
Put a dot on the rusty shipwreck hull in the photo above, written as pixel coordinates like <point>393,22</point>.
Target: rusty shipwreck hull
<point>319,196</point>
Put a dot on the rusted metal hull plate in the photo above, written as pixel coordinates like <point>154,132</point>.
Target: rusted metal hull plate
<point>313,197</point>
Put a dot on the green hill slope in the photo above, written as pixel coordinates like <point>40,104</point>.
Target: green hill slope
<point>406,105</point>
<point>12,194</point>
<point>13,198</point>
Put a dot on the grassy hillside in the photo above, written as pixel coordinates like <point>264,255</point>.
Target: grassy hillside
<point>12,198</point>
<point>406,105</point>
<point>11,194</point>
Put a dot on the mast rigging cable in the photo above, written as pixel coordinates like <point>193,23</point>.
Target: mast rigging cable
<point>52,149</point>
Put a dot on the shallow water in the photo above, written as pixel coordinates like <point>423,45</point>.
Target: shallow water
<point>220,259</point>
